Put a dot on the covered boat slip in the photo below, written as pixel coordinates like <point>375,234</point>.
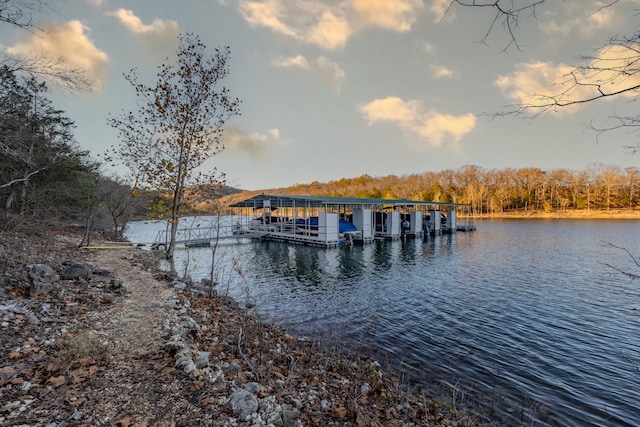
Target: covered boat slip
<point>332,221</point>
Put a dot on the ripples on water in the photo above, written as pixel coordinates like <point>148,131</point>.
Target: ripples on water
<point>525,314</point>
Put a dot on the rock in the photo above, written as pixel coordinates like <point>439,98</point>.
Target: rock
<point>252,387</point>
<point>32,318</point>
<point>296,403</point>
<point>106,277</point>
<point>176,342</point>
<point>42,276</point>
<point>365,389</point>
<point>184,359</point>
<point>101,272</point>
<point>243,403</point>
<point>216,379</point>
<point>189,367</point>
<point>74,272</point>
<point>272,411</point>
<point>290,416</point>
<point>202,359</point>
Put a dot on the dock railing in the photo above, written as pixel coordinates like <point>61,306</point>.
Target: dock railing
<point>194,236</point>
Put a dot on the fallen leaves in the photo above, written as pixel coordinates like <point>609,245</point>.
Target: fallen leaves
<point>78,401</point>
<point>207,401</point>
<point>340,412</point>
<point>57,381</point>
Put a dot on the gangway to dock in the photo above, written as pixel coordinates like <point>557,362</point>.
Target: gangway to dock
<point>198,236</point>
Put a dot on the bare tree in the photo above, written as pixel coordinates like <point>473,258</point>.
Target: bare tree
<point>109,207</point>
<point>612,71</point>
<point>508,14</point>
<point>178,125</point>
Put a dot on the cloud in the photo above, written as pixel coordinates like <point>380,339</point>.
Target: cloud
<point>156,34</point>
<point>256,145</point>
<point>440,127</point>
<point>70,43</point>
<point>391,109</point>
<point>532,82</point>
<point>428,47</point>
<point>298,61</point>
<point>535,83</point>
<point>266,14</point>
<point>396,15</point>
<point>615,69</point>
<point>329,24</point>
<point>580,21</point>
<point>330,32</point>
<point>410,116</point>
<point>441,11</point>
<point>328,71</point>
<point>442,72</point>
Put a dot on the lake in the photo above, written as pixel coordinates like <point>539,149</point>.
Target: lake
<point>529,317</point>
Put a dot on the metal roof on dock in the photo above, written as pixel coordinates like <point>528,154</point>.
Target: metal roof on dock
<point>287,201</point>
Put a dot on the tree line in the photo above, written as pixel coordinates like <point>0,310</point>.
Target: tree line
<point>492,191</point>
<point>45,178</point>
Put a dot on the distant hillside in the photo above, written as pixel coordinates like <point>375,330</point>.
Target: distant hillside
<point>488,190</point>
<point>228,191</point>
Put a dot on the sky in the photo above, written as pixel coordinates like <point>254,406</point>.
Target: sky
<point>336,89</point>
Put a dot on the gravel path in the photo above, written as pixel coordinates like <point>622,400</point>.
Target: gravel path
<point>140,386</point>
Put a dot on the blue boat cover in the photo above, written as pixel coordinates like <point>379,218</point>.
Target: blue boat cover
<point>312,224</point>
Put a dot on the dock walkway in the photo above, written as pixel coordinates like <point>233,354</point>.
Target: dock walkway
<point>202,236</point>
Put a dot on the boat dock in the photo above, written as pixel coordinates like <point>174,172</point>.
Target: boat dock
<point>334,221</point>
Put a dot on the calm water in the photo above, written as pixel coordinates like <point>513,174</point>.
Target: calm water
<point>524,315</point>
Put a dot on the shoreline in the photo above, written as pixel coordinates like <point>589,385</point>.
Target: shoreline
<point>203,360</point>
<point>568,214</point>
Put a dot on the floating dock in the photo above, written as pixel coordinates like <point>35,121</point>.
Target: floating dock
<point>334,221</point>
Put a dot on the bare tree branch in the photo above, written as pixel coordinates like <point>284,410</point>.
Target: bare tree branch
<point>16,181</point>
<point>633,258</point>
<point>19,13</point>
<point>53,70</point>
<point>56,71</point>
<point>507,13</point>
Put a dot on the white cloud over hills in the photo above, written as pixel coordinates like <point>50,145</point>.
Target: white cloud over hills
<point>435,128</point>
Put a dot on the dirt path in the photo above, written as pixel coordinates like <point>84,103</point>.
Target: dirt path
<point>135,324</point>
<point>140,387</point>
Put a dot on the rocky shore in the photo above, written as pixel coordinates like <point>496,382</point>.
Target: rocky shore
<point>101,337</point>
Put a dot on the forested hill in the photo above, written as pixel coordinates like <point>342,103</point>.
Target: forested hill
<point>490,190</point>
